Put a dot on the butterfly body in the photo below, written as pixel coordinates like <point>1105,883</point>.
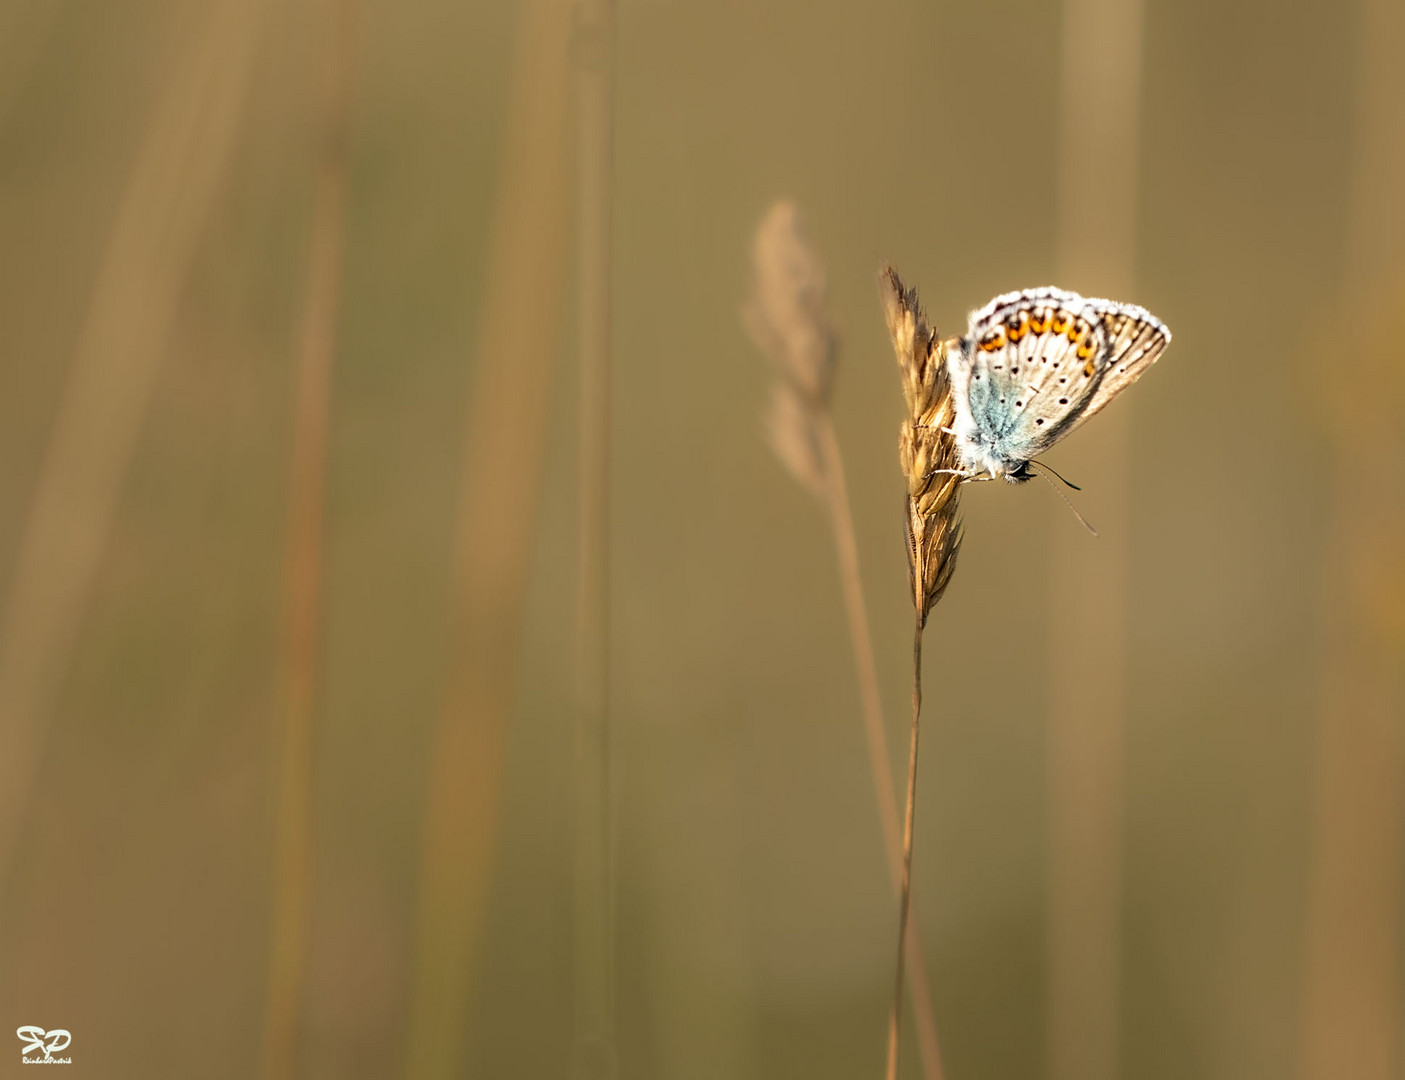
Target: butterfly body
<point>1037,363</point>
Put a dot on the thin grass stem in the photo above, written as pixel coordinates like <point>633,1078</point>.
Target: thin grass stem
<point>595,1053</point>
<point>876,740</point>
<point>909,814</point>
<point>303,572</point>
<point>506,436</point>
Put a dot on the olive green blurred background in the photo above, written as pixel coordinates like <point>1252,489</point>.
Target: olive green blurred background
<point>755,915</point>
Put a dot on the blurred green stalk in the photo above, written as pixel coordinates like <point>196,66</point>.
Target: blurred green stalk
<point>302,571</point>
<point>163,211</point>
<point>1351,998</point>
<point>593,47</point>
<point>506,433</point>
<point>1101,75</point>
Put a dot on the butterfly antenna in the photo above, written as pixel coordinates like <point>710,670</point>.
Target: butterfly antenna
<point>1070,483</point>
<point>1064,497</point>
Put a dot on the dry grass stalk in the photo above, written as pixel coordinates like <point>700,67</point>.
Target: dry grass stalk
<point>168,197</point>
<point>788,319</point>
<point>302,572</point>
<point>519,326</point>
<point>927,455</point>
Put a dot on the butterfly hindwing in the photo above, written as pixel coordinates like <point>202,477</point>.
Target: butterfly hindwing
<point>1135,339</point>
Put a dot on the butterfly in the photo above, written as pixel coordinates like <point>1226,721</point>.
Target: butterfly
<point>1033,366</point>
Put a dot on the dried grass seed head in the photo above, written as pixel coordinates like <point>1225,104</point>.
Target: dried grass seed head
<point>787,314</point>
<point>926,447</point>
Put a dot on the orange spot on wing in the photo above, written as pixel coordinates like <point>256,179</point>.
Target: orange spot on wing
<point>993,341</point>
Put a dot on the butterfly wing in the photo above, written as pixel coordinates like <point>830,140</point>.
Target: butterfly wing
<point>1032,360</point>
<point>1135,338</point>
<point>1039,362</point>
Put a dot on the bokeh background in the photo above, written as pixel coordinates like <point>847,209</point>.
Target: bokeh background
<point>290,308</point>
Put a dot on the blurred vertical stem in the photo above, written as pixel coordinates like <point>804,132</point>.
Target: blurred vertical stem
<point>909,816</point>
<point>1097,201</point>
<point>1352,983</point>
<point>789,321</point>
<point>302,569</point>
<point>163,210</point>
<point>519,329</point>
<point>593,51</point>
<point>842,522</point>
